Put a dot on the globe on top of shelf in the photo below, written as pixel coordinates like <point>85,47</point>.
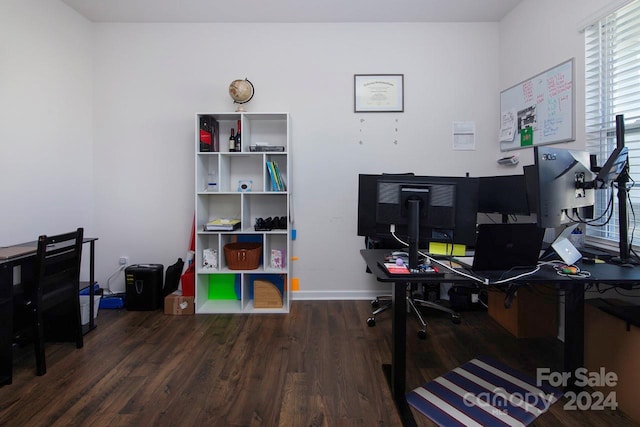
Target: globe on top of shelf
<point>241,92</point>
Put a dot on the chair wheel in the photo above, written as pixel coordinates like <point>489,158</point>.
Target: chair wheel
<point>371,321</point>
<point>456,319</point>
<point>422,334</point>
<point>375,303</point>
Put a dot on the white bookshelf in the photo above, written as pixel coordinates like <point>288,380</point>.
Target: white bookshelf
<point>222,290</point>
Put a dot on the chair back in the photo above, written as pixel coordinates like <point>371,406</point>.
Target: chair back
<point>57,268</point>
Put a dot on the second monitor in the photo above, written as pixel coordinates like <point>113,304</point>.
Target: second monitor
<point>562,192</point>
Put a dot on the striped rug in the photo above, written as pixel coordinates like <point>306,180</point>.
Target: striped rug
<point>483,392</point>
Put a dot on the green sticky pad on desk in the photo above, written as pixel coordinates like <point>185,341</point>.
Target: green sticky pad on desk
<point>222,286</point>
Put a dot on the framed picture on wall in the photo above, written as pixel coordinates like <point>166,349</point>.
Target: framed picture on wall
<point>383,93</point>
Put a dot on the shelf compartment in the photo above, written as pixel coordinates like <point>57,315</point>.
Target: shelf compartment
<point>241,167</point>
<point>206,241</point>
<point>281,161</point>
<point>273,293</point>
<point>225,300</point>
<point>218,306</point>
<point>226,122</point>
<point>277,242</point>
<point>263,206</point>
<point>207,164</point>
<point>225,287</point>
<point>266,128</point>
<point>211,206</point>
<point>235,238</point>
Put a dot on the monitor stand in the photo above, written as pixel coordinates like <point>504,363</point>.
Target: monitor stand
<point>414,232</point>
<point>623,226</point>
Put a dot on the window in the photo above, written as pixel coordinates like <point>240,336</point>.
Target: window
<point>612,74</point>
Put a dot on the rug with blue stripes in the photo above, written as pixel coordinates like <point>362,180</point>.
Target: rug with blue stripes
<point>483,392</point>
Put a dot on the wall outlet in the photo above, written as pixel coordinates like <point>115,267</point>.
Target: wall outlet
<point>124,260</point>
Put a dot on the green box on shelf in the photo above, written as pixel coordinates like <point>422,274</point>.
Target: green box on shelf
<point>224,286</point>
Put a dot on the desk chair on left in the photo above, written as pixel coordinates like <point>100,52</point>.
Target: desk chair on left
<point>53,294</point>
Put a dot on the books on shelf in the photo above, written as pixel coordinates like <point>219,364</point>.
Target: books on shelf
<point>277,183</point>
<point>222,224</point>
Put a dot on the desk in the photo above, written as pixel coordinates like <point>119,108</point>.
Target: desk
<point>573,288</point>
<point>25,261</point>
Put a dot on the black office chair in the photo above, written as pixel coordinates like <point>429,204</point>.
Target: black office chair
<point>51,300</point>
<point>416,297</point>
<point>415,300</point>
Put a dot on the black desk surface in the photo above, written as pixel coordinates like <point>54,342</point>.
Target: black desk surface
<point>9,254</point>
<point>608,274</point>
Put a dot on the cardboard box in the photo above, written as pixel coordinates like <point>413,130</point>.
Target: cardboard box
<point>178,305</point>
<point>531,315</point>
<point>613,343</point>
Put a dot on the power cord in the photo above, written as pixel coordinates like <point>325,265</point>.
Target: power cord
<point>108,289</point>
<point>572,271</point>
<point>485,281</point>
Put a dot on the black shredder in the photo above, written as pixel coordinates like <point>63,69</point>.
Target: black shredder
<point>143,286</point>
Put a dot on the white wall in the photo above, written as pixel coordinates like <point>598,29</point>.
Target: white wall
<point>45,120</point>
<point>151,79</point>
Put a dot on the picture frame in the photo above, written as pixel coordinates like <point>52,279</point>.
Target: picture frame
<point>378,93</point>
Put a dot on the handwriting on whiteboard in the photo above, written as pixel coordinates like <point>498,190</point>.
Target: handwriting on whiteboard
<point>544,105</point>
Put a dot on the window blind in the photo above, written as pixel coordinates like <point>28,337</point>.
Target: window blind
<point>612,85</point>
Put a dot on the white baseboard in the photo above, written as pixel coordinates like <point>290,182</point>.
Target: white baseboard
<point>335,295</point>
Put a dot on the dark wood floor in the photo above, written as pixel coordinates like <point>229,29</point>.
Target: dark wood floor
<point>320,365</point>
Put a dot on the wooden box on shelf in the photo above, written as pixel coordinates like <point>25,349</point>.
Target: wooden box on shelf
<point>266,295</point>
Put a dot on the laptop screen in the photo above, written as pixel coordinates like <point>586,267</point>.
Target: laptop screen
<point>505,246</point>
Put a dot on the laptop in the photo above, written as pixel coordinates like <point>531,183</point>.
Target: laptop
<point>501,247</point>
<point>564,248</point>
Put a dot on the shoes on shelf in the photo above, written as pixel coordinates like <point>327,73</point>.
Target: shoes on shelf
<point>277,223</point>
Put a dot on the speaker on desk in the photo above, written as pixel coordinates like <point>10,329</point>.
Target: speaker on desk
<point>144,287</point>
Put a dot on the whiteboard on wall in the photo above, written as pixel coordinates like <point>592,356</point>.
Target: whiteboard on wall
<point>540,110</point>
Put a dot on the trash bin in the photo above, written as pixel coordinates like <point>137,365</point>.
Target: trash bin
<point>144,287</point>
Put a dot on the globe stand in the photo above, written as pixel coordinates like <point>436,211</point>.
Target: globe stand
<point>240,109</point>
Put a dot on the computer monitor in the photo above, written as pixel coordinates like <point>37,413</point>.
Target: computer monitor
<point>505,195</point>
<point>445,207</point>
<point>562,193</point>
<point>531,182</point>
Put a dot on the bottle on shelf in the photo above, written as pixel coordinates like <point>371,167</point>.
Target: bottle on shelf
<point>232,141</point>
<point>238,145</point>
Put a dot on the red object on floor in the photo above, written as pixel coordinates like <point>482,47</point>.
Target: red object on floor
<point>188,278</point>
